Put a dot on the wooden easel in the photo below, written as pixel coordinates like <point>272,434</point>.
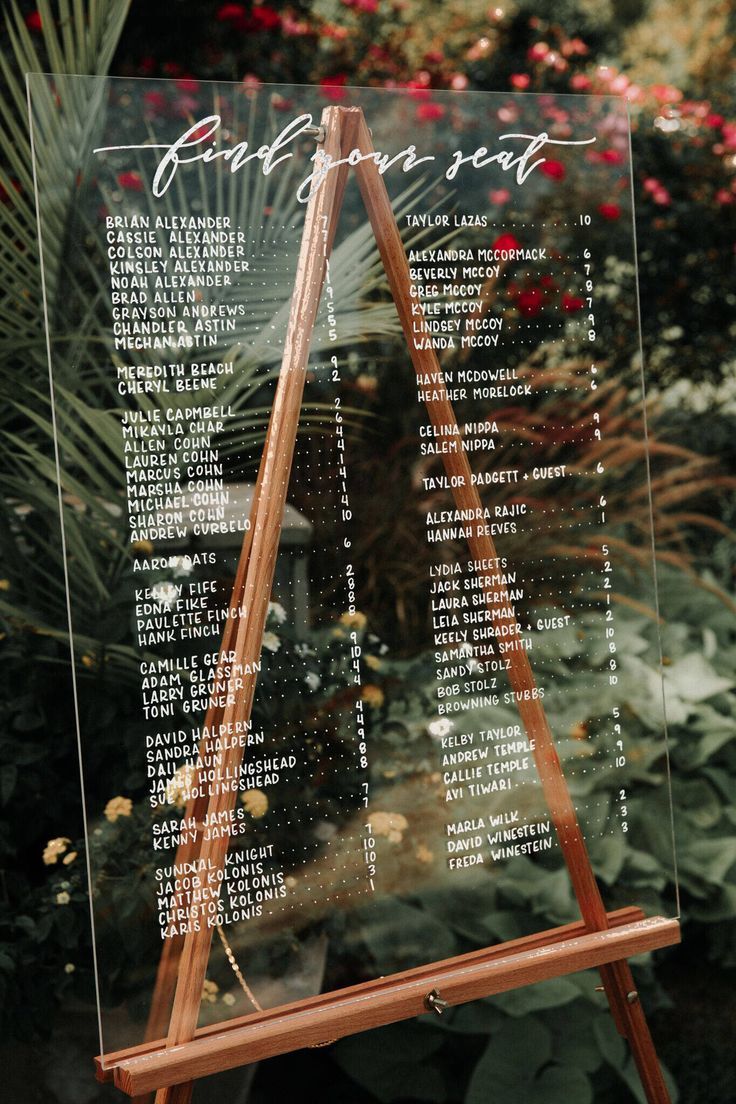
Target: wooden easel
<point>168,1065</point>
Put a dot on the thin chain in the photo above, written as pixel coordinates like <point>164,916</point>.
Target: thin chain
<point>236,969</point>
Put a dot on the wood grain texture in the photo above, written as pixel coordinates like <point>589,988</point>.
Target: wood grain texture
<point>105,1064</point>
<point>189,1053</point>
<point>395,1000</point>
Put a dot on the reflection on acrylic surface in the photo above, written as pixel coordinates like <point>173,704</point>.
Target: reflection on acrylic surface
<point>383,801</point>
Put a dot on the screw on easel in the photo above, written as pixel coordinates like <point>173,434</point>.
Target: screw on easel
<point>433,1002</point>
<point>316,132</point>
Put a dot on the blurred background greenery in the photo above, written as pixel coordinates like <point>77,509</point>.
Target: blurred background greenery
<point>674,62</point>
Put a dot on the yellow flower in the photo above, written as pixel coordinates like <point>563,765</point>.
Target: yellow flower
<point>338,633</point>
<point>355,620</point>
<point>54,848</point>
<point>255,802</point>
<point>69,859</point>
<point>390,825</point>
<point>88,660</point>
<point>373,695</point>
<point>579,731</point>
<point>373,662</point>
<point>118,807</point>
<point>63,898</point>
<point>365,383</point>
<point>210,990</point>
<point>177,788</point>
<point>423,854</point>
<point>4,584</point>
<point>143,546</point>
<point>69,968</point>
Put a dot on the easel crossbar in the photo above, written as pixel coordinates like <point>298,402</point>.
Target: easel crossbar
<point>399,998</point>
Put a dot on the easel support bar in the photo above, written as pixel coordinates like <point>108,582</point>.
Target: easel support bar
<point>395,1001</point>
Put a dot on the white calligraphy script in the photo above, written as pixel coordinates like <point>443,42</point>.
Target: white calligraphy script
<point>198,144</point>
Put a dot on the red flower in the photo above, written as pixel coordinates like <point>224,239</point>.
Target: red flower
<point>506,241</point>
<point>499,195</point>
<point>572,303</point>
<point>33,21</point>
<point>264,19</point>
<point>147,65</point>
<point>609,210</point>
<point>156,101</point>
<point>234,14</point>
<point>529,302</point>
<point>130,181</point>
<point>520,81</point>
<point>188,84</point>
<point>428,112</point>
<point>333,88</point>
<point>418,89</point>
<point>612,157</point>
<point>369,6</point>
<point>555,170</point>
<point>714,120</point>
<point>580,82</point>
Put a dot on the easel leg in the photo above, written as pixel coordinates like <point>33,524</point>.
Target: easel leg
<point>260,559</point>
<point>631,1022</point>
<point>618,983</point>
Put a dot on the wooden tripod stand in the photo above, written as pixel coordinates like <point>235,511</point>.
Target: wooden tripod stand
<point>172,1057</point>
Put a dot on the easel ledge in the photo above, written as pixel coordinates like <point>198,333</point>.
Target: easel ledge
<point>323,1019</point>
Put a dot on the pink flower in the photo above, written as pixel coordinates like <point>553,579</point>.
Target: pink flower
<point>251,83</point>
<point>459,82</point>
<point>33,21</point>
<point>506,241</point>
<point>662,197</point>
<point>612,157</point>
<point>666,93</point>
<point>429,112</point>
<point>580,82</point>
<point>187,84</point>
<point>555,170</point>
<point>609,211</point>
<point>499,195</point>
<point>723,197</point>
<point>368,6</point>
<point>333,88</point>
<point>130,181</point>
<point>729,135</point>
<point>520,81</point>
<point>714,120</point>
<point>572,303</point>
<point>538,51</point>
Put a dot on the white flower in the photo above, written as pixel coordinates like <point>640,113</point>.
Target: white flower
<point>277,611</point>
<point>69,968</point>
<point>271,641</point>
<point>439,728</point>
<point>63,898</point>
<point>165,594</point>
<point>325,831</point>
<point>313,680</point>
<point>181,566</point>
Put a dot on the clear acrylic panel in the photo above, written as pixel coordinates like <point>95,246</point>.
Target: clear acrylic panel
<point>387,811</point>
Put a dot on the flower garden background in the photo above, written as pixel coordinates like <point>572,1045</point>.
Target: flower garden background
<point>674,64</point>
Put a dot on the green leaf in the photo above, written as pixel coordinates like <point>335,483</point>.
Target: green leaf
<point>391,1063</point>
<point>509,1063</point>
<point>534,998</point>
